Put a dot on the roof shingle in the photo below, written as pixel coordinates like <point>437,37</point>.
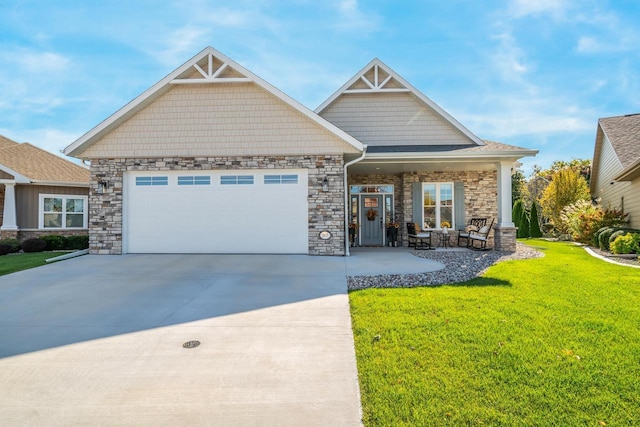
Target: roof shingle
<point>40,165</point>
<point>624,134</point>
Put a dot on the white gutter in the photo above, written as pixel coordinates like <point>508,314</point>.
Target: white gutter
<point>346,200</point>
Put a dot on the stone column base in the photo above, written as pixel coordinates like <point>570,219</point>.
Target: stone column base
<point>505,238</point>
<point>8,234</point>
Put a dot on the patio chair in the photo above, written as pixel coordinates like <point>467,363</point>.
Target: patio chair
<point>420,240</point>
<point>475,224</point>
<point>481,236</point>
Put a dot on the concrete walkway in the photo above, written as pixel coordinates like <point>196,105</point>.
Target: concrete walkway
<point>98,340</point>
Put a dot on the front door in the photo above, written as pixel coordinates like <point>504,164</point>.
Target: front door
<point>371,220</point>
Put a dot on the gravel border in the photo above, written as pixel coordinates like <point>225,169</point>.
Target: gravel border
<point>460,267</point>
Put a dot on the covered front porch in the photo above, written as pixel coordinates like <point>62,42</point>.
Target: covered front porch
<point>437,194</point>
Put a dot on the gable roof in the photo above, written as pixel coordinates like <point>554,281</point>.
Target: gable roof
<point>207,67</point>
<point>377,77</point>
<point>6,142</point>
<point>30,164</point>
<point>623,132</point>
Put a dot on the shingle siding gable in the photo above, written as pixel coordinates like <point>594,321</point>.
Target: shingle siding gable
<point>217,120</point>
<point>391,119</point>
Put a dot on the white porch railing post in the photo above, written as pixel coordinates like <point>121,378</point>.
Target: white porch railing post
<point>9,221</point>
<point>504,194</point>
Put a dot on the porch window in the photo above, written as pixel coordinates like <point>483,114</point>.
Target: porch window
<point>437,202</point>
<point>62,212</point>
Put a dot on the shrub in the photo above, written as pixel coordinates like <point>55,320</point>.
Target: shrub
<point>603,238</point>
<point>13,245</point>
<point>615,235</point>
<point>524,225</point>
<point>626,244</point>
<point>5,249</point>
<point>55,242</point>
<point>34,245</point>
<point>595,238</point>
<point>77,242</point>
<point>516,214</point>
<point>534,222</point>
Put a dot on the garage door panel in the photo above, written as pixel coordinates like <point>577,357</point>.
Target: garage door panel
<point>215,218</point>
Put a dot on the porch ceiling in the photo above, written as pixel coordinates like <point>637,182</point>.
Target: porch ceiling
<point>380,166</point>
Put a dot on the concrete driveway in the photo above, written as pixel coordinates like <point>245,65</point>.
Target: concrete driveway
<point>98,340</point>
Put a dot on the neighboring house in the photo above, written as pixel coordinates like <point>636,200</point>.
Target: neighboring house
<point>214,159</point>
<point>615,178</point>
<point>40,193</point>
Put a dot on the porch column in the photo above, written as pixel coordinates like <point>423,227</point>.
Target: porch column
<point>505,230</point>
<point>9,222</point>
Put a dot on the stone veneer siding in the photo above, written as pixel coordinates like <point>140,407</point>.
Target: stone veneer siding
<point>326,209</point>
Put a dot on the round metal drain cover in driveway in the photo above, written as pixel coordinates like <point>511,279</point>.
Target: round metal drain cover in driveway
<point>191,344</point>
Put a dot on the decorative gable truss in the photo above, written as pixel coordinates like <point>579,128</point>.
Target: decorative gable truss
<point>211,69</point>
<point>376,79</point>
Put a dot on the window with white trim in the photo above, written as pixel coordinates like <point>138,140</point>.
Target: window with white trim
<point>194,180</point>
<point>62,211</point>
<point>236,179</point>
<point>152,180</point>
<point>281,179</point>
<point>437,202</point>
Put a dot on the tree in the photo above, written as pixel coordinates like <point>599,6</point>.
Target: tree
<point>534,222</point>
<point>523,231</point>
<point>518,186</point>
<point>567,186</point>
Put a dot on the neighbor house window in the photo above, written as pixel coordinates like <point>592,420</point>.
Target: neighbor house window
<point>61,212</point>
<point>437,204</point>
<point>236,179</point>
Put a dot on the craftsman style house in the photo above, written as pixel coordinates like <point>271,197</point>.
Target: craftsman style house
<point>213,159</point>
<point>40,193</point>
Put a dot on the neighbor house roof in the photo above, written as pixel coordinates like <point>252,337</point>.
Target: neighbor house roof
<point>30,164</point>
<point>207,73</point>
<point>6,142</point>
<point>623,132</point>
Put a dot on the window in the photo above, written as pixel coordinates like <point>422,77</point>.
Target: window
<point>437,201</point>
<point>57,211</point>
<point>236,179</point>
<point>152,180</point>
<point>194,180</point>
<point>357,189</point>
<point>281,179</point>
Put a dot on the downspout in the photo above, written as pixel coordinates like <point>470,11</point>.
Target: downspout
<point>346,200</point>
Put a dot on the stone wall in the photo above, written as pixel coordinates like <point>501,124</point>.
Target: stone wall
<point>326,209</point>
<point>480,194</point>
<point>30,234</point>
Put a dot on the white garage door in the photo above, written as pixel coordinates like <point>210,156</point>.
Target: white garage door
<point>262,211</point>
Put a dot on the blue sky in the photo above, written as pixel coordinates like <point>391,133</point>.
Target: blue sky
<point>537,74</point>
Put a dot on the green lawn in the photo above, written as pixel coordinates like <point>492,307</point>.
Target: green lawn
<point>553,341</point>
<point>12,263</point>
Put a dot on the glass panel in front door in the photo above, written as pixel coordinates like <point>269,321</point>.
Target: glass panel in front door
<point>371,220</point>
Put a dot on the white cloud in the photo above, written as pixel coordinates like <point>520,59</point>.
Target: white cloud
<point>35,62</point>
<point>180,45</point>
<point>554,8</point>
<point>352,18</point>
<point>508,58</point>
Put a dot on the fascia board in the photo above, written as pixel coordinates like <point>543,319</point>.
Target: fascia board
<point>17,177</point>
<point>454,156</point>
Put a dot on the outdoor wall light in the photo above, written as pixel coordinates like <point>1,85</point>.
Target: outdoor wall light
<point>325,184</point>
<point>102,187</point>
